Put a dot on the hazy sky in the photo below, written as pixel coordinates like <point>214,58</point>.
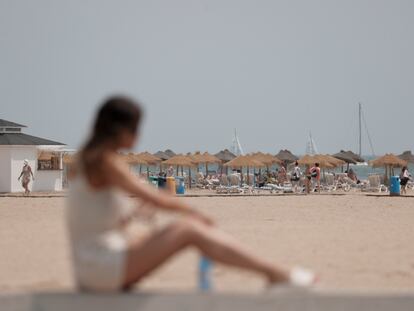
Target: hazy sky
<point>274,69</point>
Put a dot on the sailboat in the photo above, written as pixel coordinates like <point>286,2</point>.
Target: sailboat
<point>311,146</point>
<point>361,120</point>
<point>236,147</point>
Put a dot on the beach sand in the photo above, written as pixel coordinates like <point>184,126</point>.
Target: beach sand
<point>352,241</point>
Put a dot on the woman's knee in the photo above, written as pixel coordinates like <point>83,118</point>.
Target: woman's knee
<point>189,229</point>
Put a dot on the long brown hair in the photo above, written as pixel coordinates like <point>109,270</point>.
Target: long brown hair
<point>116,114</point>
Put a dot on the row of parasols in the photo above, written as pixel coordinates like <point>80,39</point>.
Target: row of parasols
<point>227,159</point>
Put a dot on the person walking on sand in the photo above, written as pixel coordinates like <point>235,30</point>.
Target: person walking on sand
<point>108,257</point>
<point>404,178</point>
<point>25,176</point>
<point>316,176</point>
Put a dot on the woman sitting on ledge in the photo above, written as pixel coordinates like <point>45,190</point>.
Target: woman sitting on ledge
<point>105,256</point>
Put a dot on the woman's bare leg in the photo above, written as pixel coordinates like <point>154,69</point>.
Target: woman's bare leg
<point>146,256</point>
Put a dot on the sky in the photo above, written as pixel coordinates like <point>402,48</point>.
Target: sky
<point>275,70</point>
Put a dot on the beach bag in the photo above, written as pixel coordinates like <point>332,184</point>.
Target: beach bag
<point>295,177</point>
<point>314,173</point>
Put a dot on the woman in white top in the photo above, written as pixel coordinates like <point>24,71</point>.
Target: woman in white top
<point>105,257</point>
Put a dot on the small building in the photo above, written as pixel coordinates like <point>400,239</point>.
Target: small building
<point>44,156</point>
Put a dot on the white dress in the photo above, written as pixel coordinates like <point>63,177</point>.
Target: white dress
<point>99,245</point>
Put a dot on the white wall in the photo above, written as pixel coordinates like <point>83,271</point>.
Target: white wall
<point>18,154</point>
<point>48,181</point>
<point>5,169</point>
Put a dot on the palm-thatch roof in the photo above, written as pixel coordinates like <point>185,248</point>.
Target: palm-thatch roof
<point>162,155</point>
<point>407,156</point>
<point>244,161</point>
<point>180,160</point>
<point>149,158</point>
<point>286,156</point>
<point>170,153</point>
<point>388,160</point>
<point>266,158</point>
<point>225,155</point>
<point>323,161</point>
<point>134,159</point>
<point>346,156</point>
<point>204,158</point>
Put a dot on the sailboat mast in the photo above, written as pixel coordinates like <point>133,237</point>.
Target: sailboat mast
<point>360,129</point>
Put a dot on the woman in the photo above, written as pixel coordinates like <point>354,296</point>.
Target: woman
<point>106,257</point>
<point>404,178</point>
<point>296,174</point>
<point>316,175</point>
<point>26,173</point>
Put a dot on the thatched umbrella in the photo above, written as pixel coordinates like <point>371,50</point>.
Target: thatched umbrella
<point>134,159</point>
<point>355,156</point>
<point>244,161</point>
<point>286,156</point>
<point>170,153</point>
<point>389,161</point>
<point>335,161</point>
<point>266,159</point>
<point>407,156</point>
<point>183,161</point>
<point>225,156</point>
<point>310,160</point>
<point>150,159</point>
<point>162,155</point>
<point>345,156</point>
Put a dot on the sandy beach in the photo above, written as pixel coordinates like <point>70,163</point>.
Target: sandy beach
<point>352,241</point>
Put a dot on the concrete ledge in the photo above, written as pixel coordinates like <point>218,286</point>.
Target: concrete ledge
<point>283,301</point>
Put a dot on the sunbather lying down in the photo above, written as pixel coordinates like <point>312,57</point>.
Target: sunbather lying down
<point>105,257</point>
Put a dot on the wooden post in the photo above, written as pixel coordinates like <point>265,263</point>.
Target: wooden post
<point>189,177</point>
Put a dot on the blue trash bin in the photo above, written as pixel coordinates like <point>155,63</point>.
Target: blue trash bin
<point>180,186</point>
<point>395,187</point>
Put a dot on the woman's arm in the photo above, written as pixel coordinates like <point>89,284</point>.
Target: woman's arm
<point>117,174</point>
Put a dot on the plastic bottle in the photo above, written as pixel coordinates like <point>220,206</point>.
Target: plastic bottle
<point>204,274</point>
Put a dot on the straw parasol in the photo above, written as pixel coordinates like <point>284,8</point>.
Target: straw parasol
<point>170,153</point>
<point>309,160</point>
<point>389,161</point>
<point>205,158</point>
<point>407,156</point>
<point>266,159</point>
<point>134,159</point>
<point>345,156</point>
<point>244,161</point>
<point>183,161</point>
<point>335,161</point>
<point>225,155</point>
<point>162,155</point>
<point>286,156</point>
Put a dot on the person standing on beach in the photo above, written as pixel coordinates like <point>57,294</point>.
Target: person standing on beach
<point>109,257</point>
<point>404,178</point>
<point>296,174</point>
<point>316,176</point>
<point>25,176</point>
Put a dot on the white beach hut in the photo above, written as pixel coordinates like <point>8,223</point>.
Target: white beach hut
<point>45,159</point>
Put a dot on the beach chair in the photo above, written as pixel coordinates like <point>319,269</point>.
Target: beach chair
<point>234,180</point>
<point>224,181</point>
<point>375,185</point>
<point>330,183</point>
